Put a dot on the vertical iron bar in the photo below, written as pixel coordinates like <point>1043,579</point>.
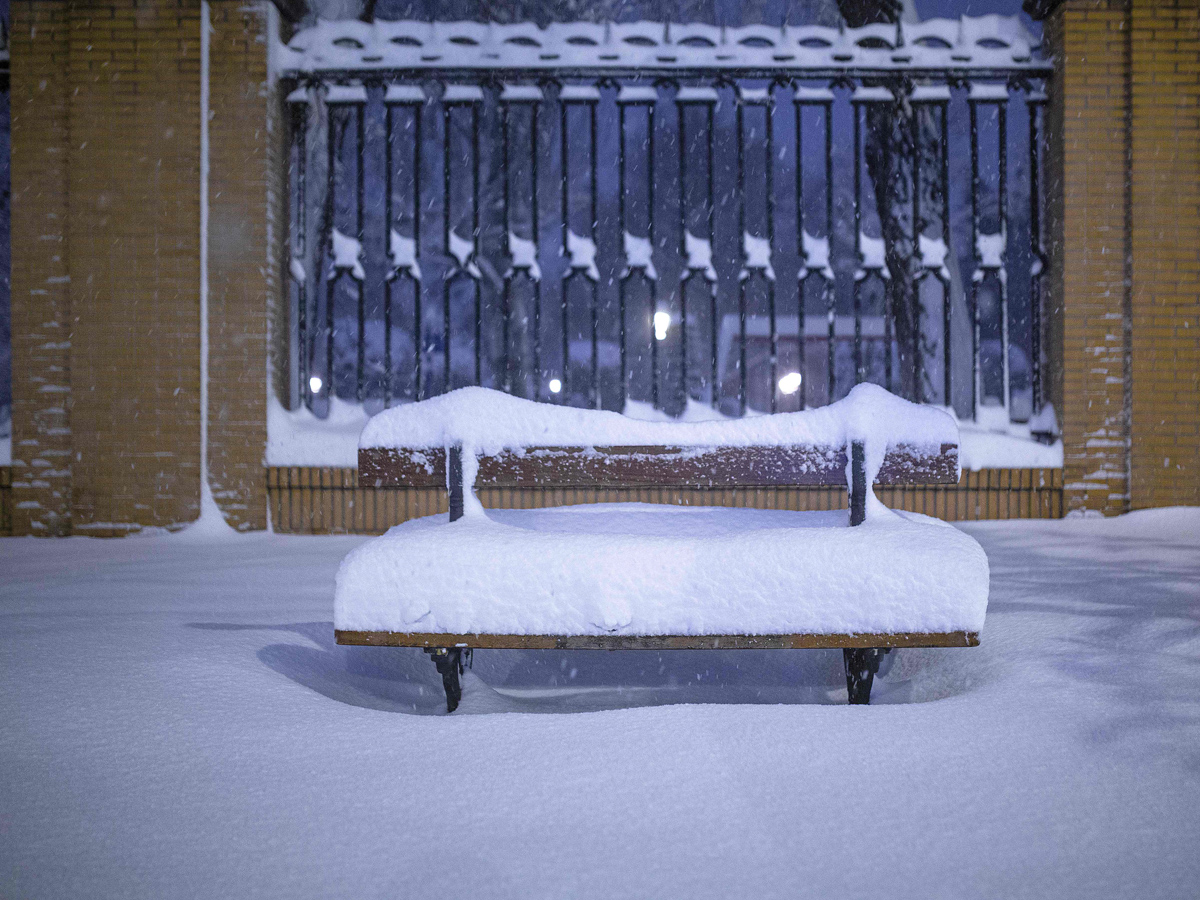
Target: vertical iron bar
<point>653,285</point>
<point>418,331</point>
<point>710,208</point>
<point>769,112</point>
<point>975,371</point>
<point>1002,274</point>
<point>887,285</point>
<point>509,362</point>
<point>1035,235</point>
<point>860,275</point>
<point>802,281</point>
<point>688,273</point>
<point>681,113</point>
<point>917,258</point>
<point>565,391</point>
<point>505,300</point>
<point>387,237</point>
<point>331,278</point>
<point>741,192</point>
<point>360,113</point>
<point>537,249</point>
<point>593,164</point>
<point>830,286</point>
<point>947,292</point>
<point>446,244</point>
<point>621,225</point>
<point>475,240</point>
<point>300,142</point>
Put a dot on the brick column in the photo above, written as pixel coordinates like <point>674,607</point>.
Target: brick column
<point>134,234</point>
<point>41,302</point>
<point>246,168</point>
<point>1088,127</point>
<point>1166,252</point>
<point>106,162</point>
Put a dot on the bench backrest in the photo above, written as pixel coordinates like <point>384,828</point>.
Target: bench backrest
<point>659,466</point>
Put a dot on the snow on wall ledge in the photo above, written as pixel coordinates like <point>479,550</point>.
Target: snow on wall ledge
<point>298,438</point>
<point>980,43</point>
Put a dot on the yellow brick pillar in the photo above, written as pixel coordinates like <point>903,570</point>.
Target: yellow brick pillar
<point>1124,130</point>
<point>1088,313</point>
<point>133,233</point>
<point>246,231</point>
<point>41,301</point>
<point>1165,307</point>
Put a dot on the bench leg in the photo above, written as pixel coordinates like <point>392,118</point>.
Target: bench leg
<point>449,665</point>
<point>861,665</point>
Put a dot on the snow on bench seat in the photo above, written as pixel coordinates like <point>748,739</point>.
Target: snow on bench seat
<point>648,569</point>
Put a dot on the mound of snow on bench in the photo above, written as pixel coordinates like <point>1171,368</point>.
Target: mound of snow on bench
<point>649,569</point>
<point>490,421</point>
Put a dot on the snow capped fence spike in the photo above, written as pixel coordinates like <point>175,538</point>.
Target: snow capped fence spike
<point>406,46</point>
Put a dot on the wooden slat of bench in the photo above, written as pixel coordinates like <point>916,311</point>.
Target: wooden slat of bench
<point>658,642</point>
<point>656,466</point>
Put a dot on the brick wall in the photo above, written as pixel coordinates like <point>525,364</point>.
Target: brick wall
<point>41,301</point>
<point>106,262</point>
<point>1165,150</point>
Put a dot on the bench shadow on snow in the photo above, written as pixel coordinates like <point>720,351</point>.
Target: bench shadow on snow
<point>404,680</point>
<point>1133,642</point>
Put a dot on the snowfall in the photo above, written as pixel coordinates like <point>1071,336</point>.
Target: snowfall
<point>178,722</point>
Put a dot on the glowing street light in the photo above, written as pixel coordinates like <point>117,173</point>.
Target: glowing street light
<point>555,385</point>
<point>662,321</point>
<point>315,383</point>
<point>790,383</point>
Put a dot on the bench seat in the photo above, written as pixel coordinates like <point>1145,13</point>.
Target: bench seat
<point>619,575</point>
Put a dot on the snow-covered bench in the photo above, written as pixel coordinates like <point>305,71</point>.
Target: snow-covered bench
<point>646,576</point>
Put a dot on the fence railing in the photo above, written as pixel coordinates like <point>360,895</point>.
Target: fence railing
<point>739,219</point>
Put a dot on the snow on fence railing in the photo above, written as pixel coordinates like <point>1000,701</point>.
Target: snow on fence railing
<point>596,214</point>
<point>999,43</point>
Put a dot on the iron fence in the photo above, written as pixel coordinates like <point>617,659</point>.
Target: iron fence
<point>689,217</point>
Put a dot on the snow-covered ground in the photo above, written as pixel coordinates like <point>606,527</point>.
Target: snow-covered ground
<point>177,722</point>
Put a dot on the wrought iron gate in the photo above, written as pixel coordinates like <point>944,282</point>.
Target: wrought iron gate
<point>675,215</point>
